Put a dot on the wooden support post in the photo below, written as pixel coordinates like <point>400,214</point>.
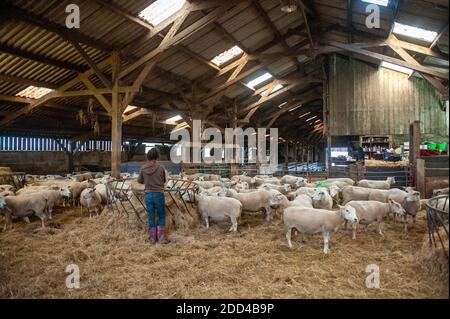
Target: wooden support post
<point>233,168</point>
<point>116,119</point>
<point>414,148</point>
<point>286,159</point>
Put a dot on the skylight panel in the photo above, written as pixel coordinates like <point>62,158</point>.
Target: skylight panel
<point>33,92</point>
<point>160,10</point>
<point>130,108</point>
<point>175,118</point>
<point>275,88</point>
<point>414,32</point>
<point>226,56</point>
<point>383,3</point>
<point>397,68</point>
<point>259,80</point>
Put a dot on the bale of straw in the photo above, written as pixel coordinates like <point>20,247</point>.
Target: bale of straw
<point>434,260</point>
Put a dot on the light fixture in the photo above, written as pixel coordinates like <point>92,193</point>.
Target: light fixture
<point>414,32</point>
<point>160,10</point>
<point>288,6</point>
<point>383,3</point>
<point>397,68</point>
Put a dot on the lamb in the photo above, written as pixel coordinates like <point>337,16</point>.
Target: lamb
<point>91,200</point>
<point>411,204</point>
<point>377,184</point>
<point>219,209</point>
<point>313,221</point>
<point>374,211</point>
<point>350,193</point>
<point>283,189</point>
<point>23,206</point>
<point>322,200</point>
<point>253,202</point>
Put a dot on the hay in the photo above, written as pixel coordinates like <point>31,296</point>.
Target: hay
<point>434,259</point>
<point>385,164</point>
<point>117,261</point>
<point>5,170</point>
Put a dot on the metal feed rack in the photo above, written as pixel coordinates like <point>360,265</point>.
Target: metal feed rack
<point>437,219</point>
<point>120,191</point>
<point>16,179</point>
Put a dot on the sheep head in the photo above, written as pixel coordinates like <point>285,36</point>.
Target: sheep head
<point>396,208</point>
<point>349,213</point>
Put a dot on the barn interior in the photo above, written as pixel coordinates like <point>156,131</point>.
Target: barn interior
<point>355,89</point>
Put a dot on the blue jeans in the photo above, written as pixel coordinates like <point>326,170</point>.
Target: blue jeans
<point>155,200</point>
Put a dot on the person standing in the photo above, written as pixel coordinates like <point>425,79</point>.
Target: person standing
<point>153,176</point>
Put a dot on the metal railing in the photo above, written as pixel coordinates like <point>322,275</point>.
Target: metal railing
<point>120,191</point>
<point>437,220</point>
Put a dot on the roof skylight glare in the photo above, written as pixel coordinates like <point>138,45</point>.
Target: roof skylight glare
<point>175,118</point>
<point>397,68</point>
<point>226,56</point>
<point>33,92</point>
<point>383,3</point>
<point>414,32</point>
<point>275,88</point>
<point>160,10</point>
<point>260,79</point>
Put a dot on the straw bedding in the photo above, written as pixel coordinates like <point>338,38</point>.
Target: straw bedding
<point>116,260</point>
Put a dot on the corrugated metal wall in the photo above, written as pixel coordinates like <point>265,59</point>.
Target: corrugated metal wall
<point>366,100</point>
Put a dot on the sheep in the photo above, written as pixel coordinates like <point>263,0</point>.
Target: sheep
<point>291,180</point>
<point>377,184</point>
<point>260,181</point>
<point>23,206</point>
<point>283,189</point>
<point>254,201</point>
<point>348,181</point>
<point>7,187</point>
<point>204,185</point>
<point>374,211</point>
<point>313,221</point>
<point>76,189</point>
<point>101,189</point>
<point>91,200</point>
<point>218,209</point>
<point>280,201</point>
<point>350,193</point>
<point>310,191</point>
<point>54,197</point>
<point>411,204</point>
<point>322,200</point>
<point>215,191</point>
<point>436,192</point>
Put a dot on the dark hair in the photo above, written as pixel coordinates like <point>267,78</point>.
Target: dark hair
<point>153,154</point>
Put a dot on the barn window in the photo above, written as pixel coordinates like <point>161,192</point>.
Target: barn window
<point>397,68</point>
<point>260,79</point>
<point>226,56</point>
<point>160,10</point>
<point>383,3</point>
<point>33,92</point>
<point>414,32</point>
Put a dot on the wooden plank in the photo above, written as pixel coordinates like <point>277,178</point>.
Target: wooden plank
<point>389,59</point>
<point>24,81</point>
<point>116,119</point>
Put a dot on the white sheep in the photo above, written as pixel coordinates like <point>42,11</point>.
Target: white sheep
<point>53,198</point>
<point>219,209</point>
<point>440,191</point>
<point>254,201</point>
<point>322,200</point>
<point>346,180</point>
<point>90,200</point>
<point>283,189</point>
<point>291,180</point>
<point>377,184</point>
<point>313,221</point>
<point>350,193</point>
<point>7,188</point>
<point>374,211</point>
<point>23,206</point>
